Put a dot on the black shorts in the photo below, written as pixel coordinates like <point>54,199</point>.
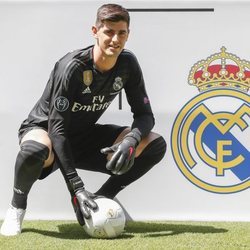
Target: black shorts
<point>86,148</point>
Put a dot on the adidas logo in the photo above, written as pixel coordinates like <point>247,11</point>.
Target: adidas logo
<point>86,91</point>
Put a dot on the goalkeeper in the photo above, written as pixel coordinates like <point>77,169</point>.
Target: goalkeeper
<point>61,131</point>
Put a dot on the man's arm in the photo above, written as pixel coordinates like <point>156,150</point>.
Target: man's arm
<point>61,95</point>
<point>61,100</point>
<point>124,152</point>
<point>138,99</point>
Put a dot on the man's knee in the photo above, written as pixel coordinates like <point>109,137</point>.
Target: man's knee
<point>155,149</point>
<point>145,142</point>
<point>40,136</point>
<point>153,144</point>
<point>32,151</point>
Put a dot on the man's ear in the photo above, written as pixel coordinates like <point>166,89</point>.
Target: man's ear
<point>94,31</point>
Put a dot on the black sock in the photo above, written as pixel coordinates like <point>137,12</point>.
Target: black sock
<point>29,164</point>
<point>151,155</point>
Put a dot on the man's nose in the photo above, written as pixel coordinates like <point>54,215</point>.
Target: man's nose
<point>115,38</point>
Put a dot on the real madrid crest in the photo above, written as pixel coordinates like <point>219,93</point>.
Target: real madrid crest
<point>87,77</point>
<point>207,136</point>
<point>118,84</point>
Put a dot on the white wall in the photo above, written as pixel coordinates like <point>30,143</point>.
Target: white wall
<point>33,35</point>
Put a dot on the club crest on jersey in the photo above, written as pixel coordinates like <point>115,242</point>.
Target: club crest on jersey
<point>87,77</point>
<point>210,135</point>
<point>118,84</point>
<point>61,103</point>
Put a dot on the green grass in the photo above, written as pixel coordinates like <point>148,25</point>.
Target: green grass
<point>68,235</point>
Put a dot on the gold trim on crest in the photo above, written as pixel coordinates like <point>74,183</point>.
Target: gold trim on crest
<point>87,77</point>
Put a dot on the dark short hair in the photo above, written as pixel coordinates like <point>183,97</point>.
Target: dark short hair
<point>113,13</point>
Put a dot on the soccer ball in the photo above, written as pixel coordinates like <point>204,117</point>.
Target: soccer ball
<point>107,222</point>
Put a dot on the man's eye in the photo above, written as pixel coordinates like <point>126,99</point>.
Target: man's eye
<point>109,32</point>
<point>122,33</point>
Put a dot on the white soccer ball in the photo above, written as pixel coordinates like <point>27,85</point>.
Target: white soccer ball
<point>107,222</point>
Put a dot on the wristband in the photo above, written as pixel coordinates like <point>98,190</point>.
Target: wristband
<point>136,134</point>
<point>76,184</point>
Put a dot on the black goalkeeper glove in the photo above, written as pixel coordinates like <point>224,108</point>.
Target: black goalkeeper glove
<point>82,201</point>
<point>124,153</point>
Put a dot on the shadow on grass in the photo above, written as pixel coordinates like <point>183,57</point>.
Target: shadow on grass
<point>150,229</point>
<point>147,229</point>
<point>65,231</point>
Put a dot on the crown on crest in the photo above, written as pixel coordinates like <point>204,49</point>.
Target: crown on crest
<point>221,70</point>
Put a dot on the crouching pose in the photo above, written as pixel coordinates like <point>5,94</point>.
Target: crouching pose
<point>61,131</point>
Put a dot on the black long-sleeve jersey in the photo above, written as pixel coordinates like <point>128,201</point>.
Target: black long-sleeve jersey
<point>77,94</point>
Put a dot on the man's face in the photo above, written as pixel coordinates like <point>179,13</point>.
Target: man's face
<point>111,37</point>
